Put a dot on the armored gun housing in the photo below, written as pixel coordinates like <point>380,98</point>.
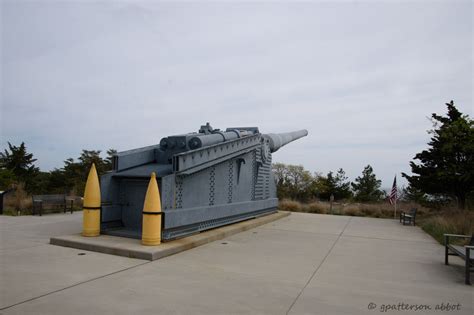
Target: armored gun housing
<point>206,179</point>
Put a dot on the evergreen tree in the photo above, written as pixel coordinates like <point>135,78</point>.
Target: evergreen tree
<point>446,168</point>
<point>7,179</point>
<point>367,186</point>
<point>71,178</point>
<point>20,163</point>
<point>410,193</point>
<point>108,160</point>
<point>342,185</point>
<point>75,173</point>
<point>336,185</point>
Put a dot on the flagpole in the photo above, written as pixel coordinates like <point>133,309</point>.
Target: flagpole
<point>395,209</point>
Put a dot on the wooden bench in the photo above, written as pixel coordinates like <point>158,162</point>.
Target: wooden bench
<point>408,218</point>
<point>2,194</point>
<point>465,252</point>
<point>39,201</point>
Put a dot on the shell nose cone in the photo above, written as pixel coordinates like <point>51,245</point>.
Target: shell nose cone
<point>152,197</point>
<point>92,189</point>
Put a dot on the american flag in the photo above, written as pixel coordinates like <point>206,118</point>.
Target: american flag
<point>393,194</point>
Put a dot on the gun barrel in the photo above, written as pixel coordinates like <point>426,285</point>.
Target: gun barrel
<point>277,140</point>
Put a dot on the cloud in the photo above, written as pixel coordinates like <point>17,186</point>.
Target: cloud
<point>361,77</point>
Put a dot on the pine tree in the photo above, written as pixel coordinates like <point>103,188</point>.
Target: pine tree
<point>447,166</point>
<point>343,186</point>
<point>367,186</point>
<point>336,185</point>
<point>20,163</point>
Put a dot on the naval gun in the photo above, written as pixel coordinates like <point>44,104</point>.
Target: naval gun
<point>206,179</point>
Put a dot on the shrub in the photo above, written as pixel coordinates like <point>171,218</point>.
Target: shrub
<point>352,210</point>
<point>449,222</point>
<point>316,207</point>
<point>18,201</point>
<point>290,205</point>
<point>296,206</point>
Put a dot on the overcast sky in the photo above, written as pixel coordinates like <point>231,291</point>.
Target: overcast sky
<point>361,76</point>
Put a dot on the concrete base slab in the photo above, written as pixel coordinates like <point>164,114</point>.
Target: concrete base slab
<point>134,249</point>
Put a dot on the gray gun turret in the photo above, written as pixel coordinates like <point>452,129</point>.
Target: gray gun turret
<point>206,179</point>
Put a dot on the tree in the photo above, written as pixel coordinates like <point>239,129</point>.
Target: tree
<point>7,179</point>
<point>337,185</point>
<point>410,193</point>
<point>59,183</point>
<point>293,181</point>
<point>72,176</point>
<point>75,173</point>
<point>39,183</point>
<point>20,163</point>
<point>280,175</point>
<point>367,186</point>
<point>446,168</point>
<point>299,182</point>
<point>108,160</point>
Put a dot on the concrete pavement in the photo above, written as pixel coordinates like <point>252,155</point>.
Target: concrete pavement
<point>301,264</point>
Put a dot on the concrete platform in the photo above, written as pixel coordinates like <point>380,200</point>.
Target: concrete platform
<point>300,264</point>
<point>133,248</point>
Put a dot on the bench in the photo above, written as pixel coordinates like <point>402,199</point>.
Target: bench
<point>464,252</point>
<point>39,201</point>
<point>408,218</point>
<point>2,194</point>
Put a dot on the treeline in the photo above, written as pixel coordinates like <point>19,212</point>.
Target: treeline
<point>294,182</point>
<point>442,173</point>
<point>18,170</point>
